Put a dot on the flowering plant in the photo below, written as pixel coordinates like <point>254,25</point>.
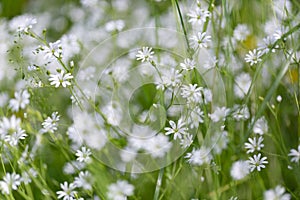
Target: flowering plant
<point>150,100</point>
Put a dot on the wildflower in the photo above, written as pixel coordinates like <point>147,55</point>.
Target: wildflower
<point>295,155</point>
<point>113,26</point>
<point>60,79</point>
<point>254,144</point>
<point>10,182</point>
<point>171,78</point>
<point>158,146</point>
<point>200,40</point>
<point>198,16</point>
<point>53,50</point>
<point>267,45</point>
<point>254,57</point>
<point>261,126</point>
<point>241,32</point>
<point>67,192</point>
<point>207,95</point>
<point>188,64</point>
<point>242,85</point>
<point>83,154</point>
<point>20,101</point>
<point>13,138</point>
<point>239,169</point>
<point>9,126</point>
<point>113,113</point>
<point>23,23</point>
<point>84,180</point>
<point>256,162</point>
<point>50,124</point>
<point>73,167</point>
<point>219,114</point>
<point>26,176</point>
<point>241,113</point>
<point>178,129</point>
<point>146,54</point>
<point>186,141</point>
<point>199,156</point>
<point>191,92</point>
<point>278,193</point>
<point>195,117</point>
<point>120,190</point>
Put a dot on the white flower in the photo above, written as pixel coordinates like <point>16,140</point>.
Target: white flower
<point>171,78</point>
<point>84,180</point>
<point>295,154</point>
<point>120,190</point>
<point>200,40</point>
<point>158,146</point>
<point>188,64</point>
<point>186,141</point>
<point>50,124</point>
<point>26,175</point>
<point>254,144</point>
<point>242,85</point>
<point>276,194</point>
<point>13,138</point>
<point>10,182</point>
<point>198,16</point>
<point>195,117</point>
<point>261,126</point>
<point>146,54</point>
<point>254,57</point>
<point>191,92</point>
<point>20,101</point>
<point>241,32</point>
<point>239,169</point>
<point>241,113</point>
<point>207,95</point>
<point>256,162</point>
<point>219,114</point>
<point>67,192</point>
<point>73,167</point>
<point>10,130</point>
<point>113,26</point>
<point>113,113</point>
<point>60,79</point>
<point>23,23</point>
<point>199,156</point>
<point>53,50</point>
<point>83,154</point>
<point>178,129</point>
<point>267,45</point>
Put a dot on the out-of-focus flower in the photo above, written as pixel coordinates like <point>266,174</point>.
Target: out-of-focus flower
<point>278,193</point>
<point>295,155</point>
<point>239,169</point>
<point>120,190</point>
<point>20,101</point>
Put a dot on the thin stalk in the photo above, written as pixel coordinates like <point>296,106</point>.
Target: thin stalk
<point>158,184</point>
